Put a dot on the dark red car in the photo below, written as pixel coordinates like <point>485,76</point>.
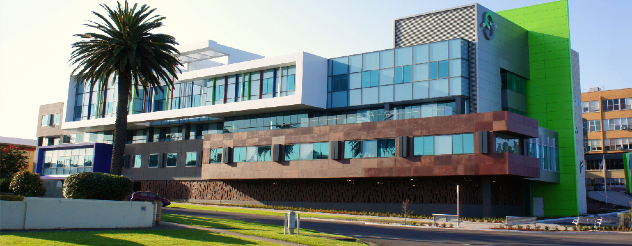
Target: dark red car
<point>149,196</point>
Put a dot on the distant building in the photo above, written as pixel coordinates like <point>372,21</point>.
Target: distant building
<point>465,96</point>
<point>607,120</point>
<point>28,145</point>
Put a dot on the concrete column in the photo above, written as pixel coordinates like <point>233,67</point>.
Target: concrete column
<point>487,197</point>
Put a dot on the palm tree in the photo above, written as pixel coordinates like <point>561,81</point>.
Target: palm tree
<point>125,49</point>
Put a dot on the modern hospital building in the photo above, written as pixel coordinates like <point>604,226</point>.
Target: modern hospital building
<point>489,101</point>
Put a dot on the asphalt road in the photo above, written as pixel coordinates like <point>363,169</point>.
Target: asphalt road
<point>395,235</point>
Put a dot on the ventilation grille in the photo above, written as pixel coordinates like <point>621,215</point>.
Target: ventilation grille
<point>437,26</point>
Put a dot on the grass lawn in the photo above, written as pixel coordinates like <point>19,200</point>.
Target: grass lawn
<point>125,237</point>
<point>308,237</point>
<point>270,213</point>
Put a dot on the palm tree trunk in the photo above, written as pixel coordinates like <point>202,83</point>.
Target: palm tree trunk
<point>120,125</point>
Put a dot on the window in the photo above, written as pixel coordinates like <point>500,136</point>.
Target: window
<point>617,124</point>
<point>252,154</point>
<point>67,161</point>
<point>215,156</point>
<point>444,144</point>
<point>615,144</point>
<point>616,104</point>
<point>369,148</point>
<point>370,78</point>
<point>46,120</point>
<point>191,159</point>
<point>288,80</point>
<point>593,145</point>
<point>172,159</point>
<point>136,161</point>
<point>267,89</point>
<point>56,119</point>
<point>508,144</point>
<point>594,125</point>
<point>590,107</point>
<point>153,160</point>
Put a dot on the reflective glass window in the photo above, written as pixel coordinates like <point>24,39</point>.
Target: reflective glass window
<point>403,56</point>
<point>386,93</point>
<point>191,159</point>
<point>215,156</point>
<point>353,149</point>
<point>468,143</point>
<point>136,161</point>
<point>370,61</point>
<point>438,51</point>
<point>420,53</point>
<point>340,65</point>
<point>369,95</point>
<point>355,97</point>
<point>172,159</point>
<point>292,152</point>
<point>355,64</point>
<point>369,148</point>
<point>386,148</point>
<point>251,154</point>
<point>264,153</point>
<point>355,80</point>
<point>386,59</point>
<point>455,48</point>
<point>386,76</point>
<point>420,72</point>
<point>456,86</point>
<point>433,70</point>
<point>443,145</point>
<point>443,69</point>
<point>428,145</point>
<point>403,92</point>
<point>457,144</point>
<point>420,90</point>
<point>439,88</point>
<point>321,150</point>
<point>306,151</point>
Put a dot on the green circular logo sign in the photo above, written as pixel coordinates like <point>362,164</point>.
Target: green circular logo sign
<point>488,26</point>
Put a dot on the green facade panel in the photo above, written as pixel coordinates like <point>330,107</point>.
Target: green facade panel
<point>550,95</point>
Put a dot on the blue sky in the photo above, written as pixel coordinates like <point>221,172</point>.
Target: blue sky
<point>35,38</point>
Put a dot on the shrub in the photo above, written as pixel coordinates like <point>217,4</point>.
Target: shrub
<point>27,184</point>
<point>102,186</point>
<point>528,227</point>
<point>11,198</point>
<point>519,227</point>
<point>4,184</point>
<point>451,225</point>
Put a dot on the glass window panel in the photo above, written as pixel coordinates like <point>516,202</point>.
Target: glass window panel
<point>457,144</point>
<point>443,145</point>
<point>439,88</point>
<point>386,148</point>
<point>455,86</point>
<point>420,90</point>
<point>324,151</point>
<point>307,151</point>
<point>403,92</point>
<point>191,159</point>
<point>369,148</point>
<point>136,161</point>
<point>428,145</point>
<point>339,99</point>
<point>403,56</point>
<point>438,51</point>
<point>443,69</point>
<point>420,53</point>
<point>371,61</point>
<point>292,152</point>
<point>369,96</point>
<point>386,59</point>
<point>420,72</point>
<point>251,154</point>
<point>386,76</point>
<point>366,79</point>
<point>340,65</point>
<point>172,159</point>
<point>386,93</point>
<point>455,48</point>
<point>375,77</point>
<point>353,149</point>
<point>355,64</point>
<point>468,143</point>
<point>355,80</point>
<point>418,146</point>
<point>355,97</point>
<point>433,70</point>
<point>408,74</point>
<point>455,67</point>
<point>264,153</point>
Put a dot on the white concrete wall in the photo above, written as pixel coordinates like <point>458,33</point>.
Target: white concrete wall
<point>12,215</point>
<point>61,213</point>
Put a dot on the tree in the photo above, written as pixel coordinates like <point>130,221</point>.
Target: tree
<point>406,210</point>
<point>12,160</point>
<point>125,49</point>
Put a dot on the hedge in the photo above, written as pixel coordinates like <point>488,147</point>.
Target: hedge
<point>102,186</point>
<point>27,184</point>
<point>11,198</point>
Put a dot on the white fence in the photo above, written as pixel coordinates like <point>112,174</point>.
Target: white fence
<point>61,213</point>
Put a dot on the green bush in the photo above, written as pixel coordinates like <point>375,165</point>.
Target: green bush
<point>4,184</point>
<point>11,198</point>
<point>102,186</point>
<point>27,184</point>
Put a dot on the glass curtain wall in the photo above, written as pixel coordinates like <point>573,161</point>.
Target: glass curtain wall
<point>431,70</point>
<point>444,144</point>
<point>68,161</point>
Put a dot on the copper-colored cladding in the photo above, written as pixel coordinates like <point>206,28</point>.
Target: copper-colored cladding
<point>441,165</point>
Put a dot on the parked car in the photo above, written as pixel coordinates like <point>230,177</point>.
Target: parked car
<point>601,187</point>
<point>149,196</point>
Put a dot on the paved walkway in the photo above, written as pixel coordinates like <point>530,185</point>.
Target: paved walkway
<point>231,233</point>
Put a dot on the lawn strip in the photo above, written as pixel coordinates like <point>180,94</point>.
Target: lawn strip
<point>308,237</point>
